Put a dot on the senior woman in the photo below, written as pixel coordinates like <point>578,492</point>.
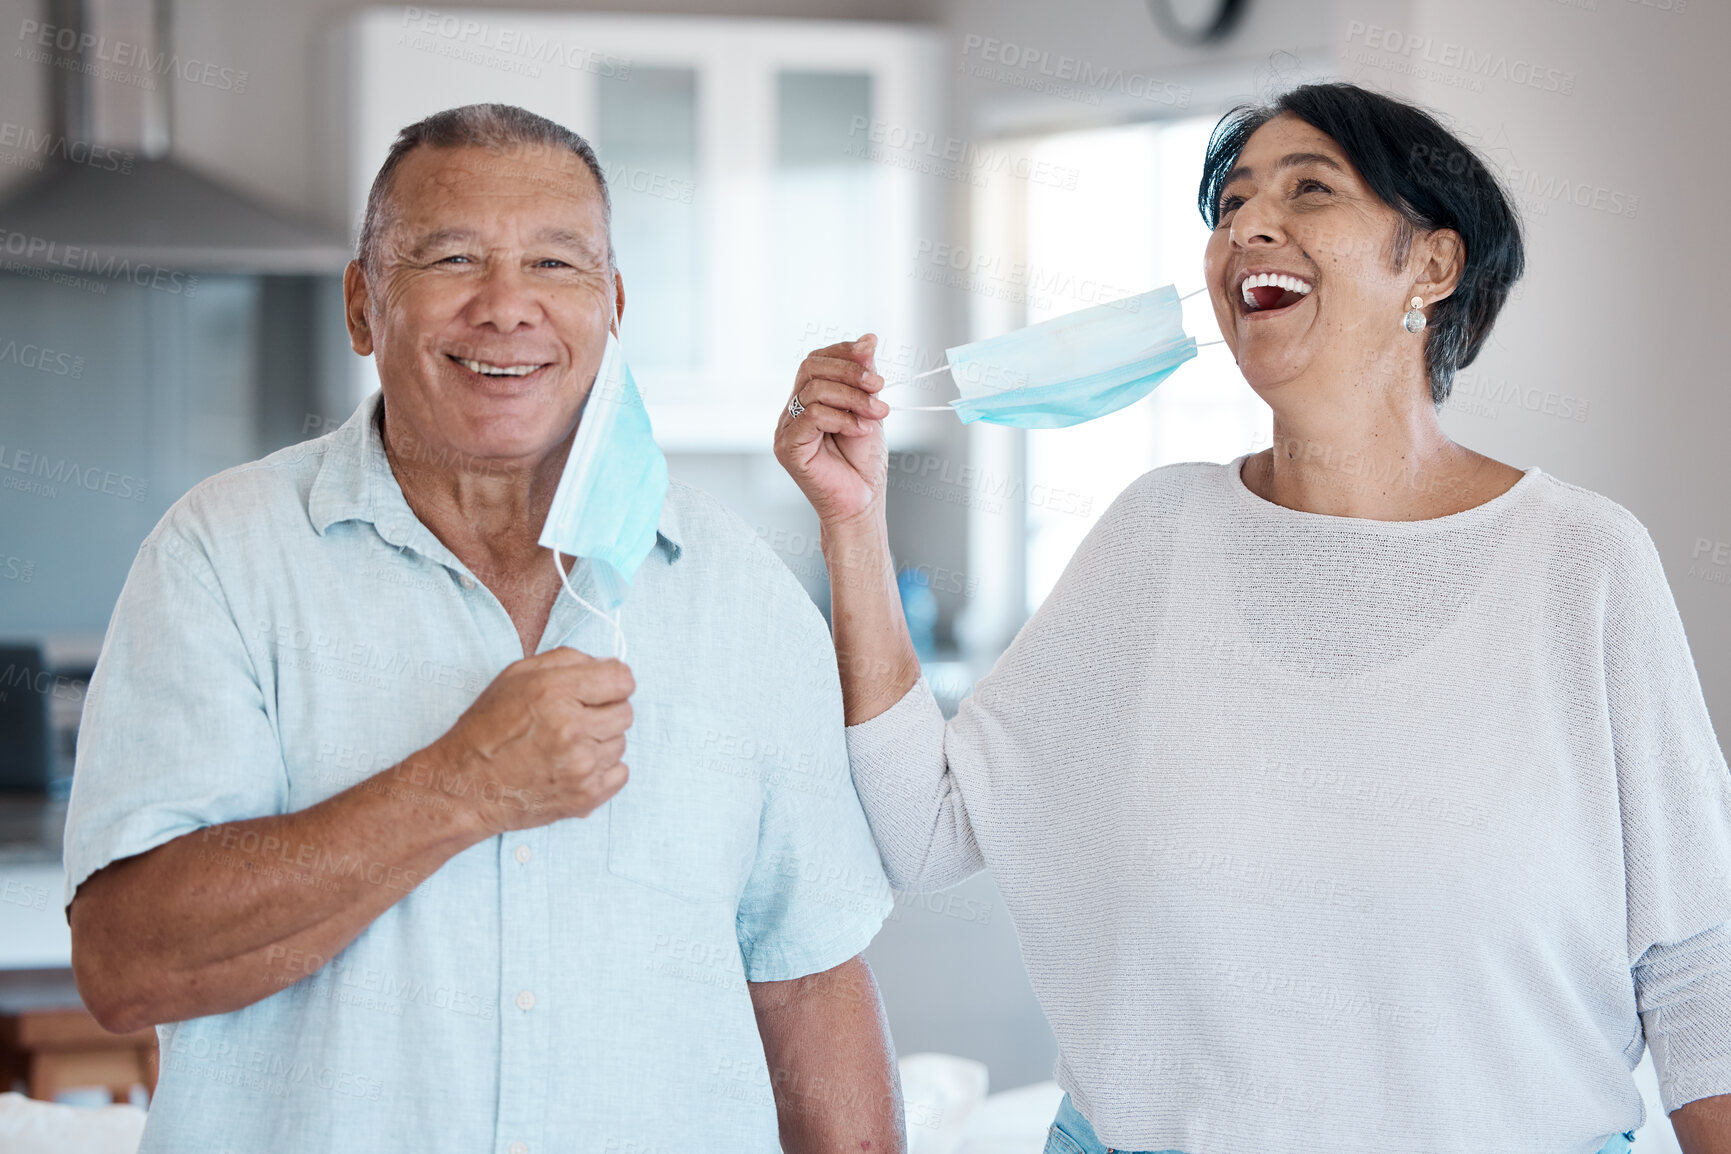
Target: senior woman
<point>1358,794</point>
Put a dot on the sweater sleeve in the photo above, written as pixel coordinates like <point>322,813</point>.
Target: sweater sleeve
<point>1054,701</point>
<point>1684,993</point>
<point>910,796</point>
<point>1675,794</point>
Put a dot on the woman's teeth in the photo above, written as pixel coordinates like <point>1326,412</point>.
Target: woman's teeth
<point>490,370</point>
<point>1274,285</point>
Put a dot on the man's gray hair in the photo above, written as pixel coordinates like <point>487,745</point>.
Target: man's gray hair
<point>492,126</point>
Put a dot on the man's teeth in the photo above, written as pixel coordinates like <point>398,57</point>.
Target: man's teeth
<point>1275,279</point>
<point>488,370</point>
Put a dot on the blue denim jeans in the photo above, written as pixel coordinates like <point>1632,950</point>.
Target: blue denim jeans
<point>1071,1134</point>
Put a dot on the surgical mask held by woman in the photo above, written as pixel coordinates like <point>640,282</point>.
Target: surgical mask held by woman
<point>1071,368</point>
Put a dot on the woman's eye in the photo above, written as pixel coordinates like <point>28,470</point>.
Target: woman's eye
<point>1227,204</point>
<point>450,259</point>
<point>1313,186</point>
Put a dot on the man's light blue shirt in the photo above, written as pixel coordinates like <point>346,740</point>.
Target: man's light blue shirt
<point>291,629</point>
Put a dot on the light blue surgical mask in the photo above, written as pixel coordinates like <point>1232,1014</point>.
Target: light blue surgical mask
<point>1071,368</point>
<point>609,498</point>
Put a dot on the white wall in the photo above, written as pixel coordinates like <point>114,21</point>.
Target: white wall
<point>1622,313</point>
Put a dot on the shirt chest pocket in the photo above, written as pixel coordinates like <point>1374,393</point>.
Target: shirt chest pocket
<point>686,823</point>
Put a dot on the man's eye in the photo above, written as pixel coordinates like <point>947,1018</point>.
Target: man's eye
<point>451,259</point>
<point>551,262</point>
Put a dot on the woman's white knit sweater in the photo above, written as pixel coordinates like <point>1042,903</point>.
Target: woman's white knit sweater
<point>1331,834</point>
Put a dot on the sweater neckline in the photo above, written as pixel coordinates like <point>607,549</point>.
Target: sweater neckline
<point>1495,506</point>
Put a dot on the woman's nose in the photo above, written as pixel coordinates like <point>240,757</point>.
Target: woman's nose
<point>1257,222</point>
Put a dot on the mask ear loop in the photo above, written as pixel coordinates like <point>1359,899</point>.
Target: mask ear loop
<point>612,620</point>
<point>1187,296</point>
<point>911,380</point>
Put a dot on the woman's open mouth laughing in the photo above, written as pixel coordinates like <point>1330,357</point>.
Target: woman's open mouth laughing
<point>1265,294</point>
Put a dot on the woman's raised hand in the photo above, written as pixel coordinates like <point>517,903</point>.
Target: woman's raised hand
<point>834,449</point>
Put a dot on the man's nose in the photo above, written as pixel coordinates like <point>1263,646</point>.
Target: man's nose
<point>504,299</point>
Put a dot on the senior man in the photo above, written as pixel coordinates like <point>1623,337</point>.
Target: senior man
<point>352,822</point>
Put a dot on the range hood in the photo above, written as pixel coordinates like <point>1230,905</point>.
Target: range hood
<point>149,210</point>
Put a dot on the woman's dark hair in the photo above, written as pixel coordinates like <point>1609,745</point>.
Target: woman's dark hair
<point>1427,175</point>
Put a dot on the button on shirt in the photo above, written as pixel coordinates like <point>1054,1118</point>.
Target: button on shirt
<point>291,630</point>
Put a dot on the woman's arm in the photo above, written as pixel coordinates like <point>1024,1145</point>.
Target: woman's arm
<point>835,452</point>
<point>1704,1125</point>
<point>1674,793</point>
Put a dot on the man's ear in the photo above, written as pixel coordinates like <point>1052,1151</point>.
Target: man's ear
<point>1444,261</point>
<point>356,297</point>
<point>618,301</point>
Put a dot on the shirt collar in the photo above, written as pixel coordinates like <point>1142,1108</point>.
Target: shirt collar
<point>355,483</point>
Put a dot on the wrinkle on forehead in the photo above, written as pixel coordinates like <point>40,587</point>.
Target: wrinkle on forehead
<point>469,173</point>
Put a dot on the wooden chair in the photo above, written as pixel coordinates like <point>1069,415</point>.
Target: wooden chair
<point>49,1041</point>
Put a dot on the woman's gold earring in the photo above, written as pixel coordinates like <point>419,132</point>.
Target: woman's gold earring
<point>1414,320</point>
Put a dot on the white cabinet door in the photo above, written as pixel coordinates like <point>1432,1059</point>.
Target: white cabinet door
<point>752,218</point>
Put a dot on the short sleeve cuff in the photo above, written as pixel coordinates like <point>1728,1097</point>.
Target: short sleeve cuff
<point>816,953</point>
<point>99,849</point>
<point>1690,1085</point>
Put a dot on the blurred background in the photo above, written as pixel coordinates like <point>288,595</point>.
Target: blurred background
<point>785,174</point>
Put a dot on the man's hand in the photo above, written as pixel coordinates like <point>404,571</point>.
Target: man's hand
<point>193,928</point>
<point>543,742</point>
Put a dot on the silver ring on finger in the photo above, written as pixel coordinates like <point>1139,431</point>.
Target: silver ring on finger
<point>794,407</point>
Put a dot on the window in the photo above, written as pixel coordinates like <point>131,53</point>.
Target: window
<point>1125,224</point>
<point>646,131</point>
